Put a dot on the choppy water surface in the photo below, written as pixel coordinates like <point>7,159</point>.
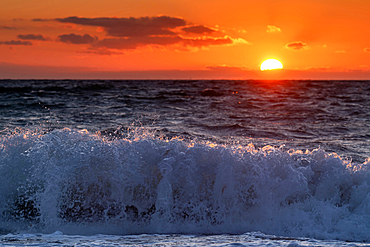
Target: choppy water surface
<point>285,158</point>
<point>305,114</point>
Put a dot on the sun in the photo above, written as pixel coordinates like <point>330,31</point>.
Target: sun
<point>271,64</point>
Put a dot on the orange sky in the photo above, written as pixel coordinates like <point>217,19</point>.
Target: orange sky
<point>183,39</point>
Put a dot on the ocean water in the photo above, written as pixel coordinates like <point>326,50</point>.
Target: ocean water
<point>184,163</point>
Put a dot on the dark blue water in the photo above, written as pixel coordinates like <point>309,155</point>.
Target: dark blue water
<point>286,158</point>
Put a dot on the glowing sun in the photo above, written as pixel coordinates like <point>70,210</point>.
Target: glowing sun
<point>270,64</point>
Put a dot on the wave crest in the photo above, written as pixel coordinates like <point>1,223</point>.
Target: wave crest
<point>79,182</point>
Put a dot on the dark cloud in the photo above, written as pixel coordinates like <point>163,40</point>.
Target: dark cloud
<point>203,42</point>
<point>102,52</point>
<point>77,39</point>
<point>133,43</point>
<point>296,46</point>
<point>7,28</point>
<point>31,37</point>
<point>131,33</point>
<point>199,29</point>
<point>130,27</point>
<point>41,19</point>
<point>15,42</point>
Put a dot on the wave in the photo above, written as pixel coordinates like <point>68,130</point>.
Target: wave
<point>83,183</point>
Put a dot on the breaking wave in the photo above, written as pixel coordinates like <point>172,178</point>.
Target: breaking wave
<point>83,183</point>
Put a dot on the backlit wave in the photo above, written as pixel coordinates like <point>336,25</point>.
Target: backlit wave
<point>81,183</point>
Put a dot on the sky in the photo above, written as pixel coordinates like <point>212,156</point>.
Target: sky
<point>184,39</point>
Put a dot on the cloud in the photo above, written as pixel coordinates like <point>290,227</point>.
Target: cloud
<point>36,19</point>
<point>296,46</point>
<point>130,27</point>
<point>32,37</point>
<point>203,42</point>
<point>199,29</point>
<point>102,52</point>
<point>77,39</point>
<point>133,43</point>
<point>273,29</point>
<point>200,42</point>
<point>7,28</point>
<point>15,42</point>
<point>367,49</point>
<point>131,33</point>
<point>341,51</point>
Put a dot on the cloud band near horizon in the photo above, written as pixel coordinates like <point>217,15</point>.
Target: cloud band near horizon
<point>131,33</point>
<point>130,27</point>
<point>16,42</point>
<point>32,37</point>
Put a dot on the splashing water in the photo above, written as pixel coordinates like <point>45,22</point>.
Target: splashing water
<point>78,182</point>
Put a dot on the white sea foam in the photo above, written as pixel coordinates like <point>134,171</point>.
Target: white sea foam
<point>77,182</point>
<point>248,239</point>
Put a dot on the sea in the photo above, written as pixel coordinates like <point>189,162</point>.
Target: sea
<point>184,163</point>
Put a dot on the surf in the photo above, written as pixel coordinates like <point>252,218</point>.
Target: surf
<point>79,182</point>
